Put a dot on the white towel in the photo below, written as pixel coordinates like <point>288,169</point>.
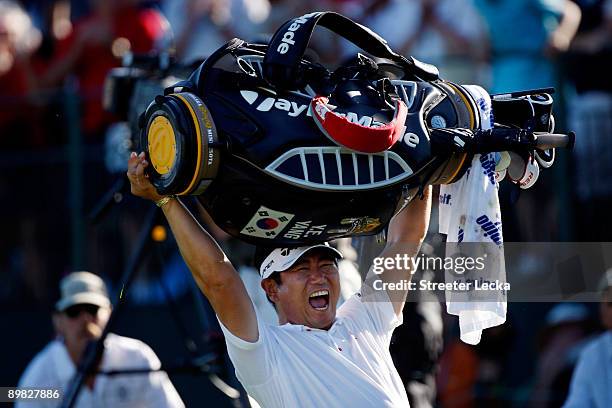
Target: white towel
<point>469,212</point>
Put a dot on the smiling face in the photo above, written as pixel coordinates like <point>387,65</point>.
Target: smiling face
<point>309,290</point>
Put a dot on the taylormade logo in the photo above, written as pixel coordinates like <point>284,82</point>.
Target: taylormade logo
<point>295,110</point>
<point>287,40</point>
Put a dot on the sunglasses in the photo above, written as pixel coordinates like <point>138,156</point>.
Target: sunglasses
<point>75,310</point>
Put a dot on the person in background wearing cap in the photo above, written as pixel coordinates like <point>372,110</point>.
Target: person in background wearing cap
<point>568,328</point>
<point>317,356</point>
<point>591,385</point>
<point>80,317</point>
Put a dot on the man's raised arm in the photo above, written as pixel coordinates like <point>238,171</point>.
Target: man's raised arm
<point>210,267</point>
<point>407,230</point>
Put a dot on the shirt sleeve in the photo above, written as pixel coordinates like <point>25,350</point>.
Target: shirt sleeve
<point>580,395</point>
<point>253,361</point>
<point>160,391</point>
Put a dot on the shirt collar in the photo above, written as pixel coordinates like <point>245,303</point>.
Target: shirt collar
<point>64,366</point>
<point>300,327</point>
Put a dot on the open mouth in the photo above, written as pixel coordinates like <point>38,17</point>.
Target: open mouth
<point>319,300</point>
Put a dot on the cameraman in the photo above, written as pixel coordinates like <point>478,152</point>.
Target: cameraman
<point>316,357</point>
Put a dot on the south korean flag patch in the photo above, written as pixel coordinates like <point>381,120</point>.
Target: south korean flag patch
<point>266,223</point>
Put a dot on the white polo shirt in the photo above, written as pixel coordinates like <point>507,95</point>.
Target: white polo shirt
<point>348,365</point>
<point>53,368</point>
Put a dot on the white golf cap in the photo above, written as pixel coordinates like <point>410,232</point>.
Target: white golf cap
<point>82,288</point>
<point>282,259</point>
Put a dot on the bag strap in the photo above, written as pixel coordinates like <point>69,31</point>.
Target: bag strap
<point>289,42</point>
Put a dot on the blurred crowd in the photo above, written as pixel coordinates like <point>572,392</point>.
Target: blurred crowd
<point>55,133</point>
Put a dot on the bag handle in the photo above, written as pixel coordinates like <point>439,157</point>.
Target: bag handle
<point>289,42</point>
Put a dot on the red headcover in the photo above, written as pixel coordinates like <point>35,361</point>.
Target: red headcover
<point>355,136</point>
